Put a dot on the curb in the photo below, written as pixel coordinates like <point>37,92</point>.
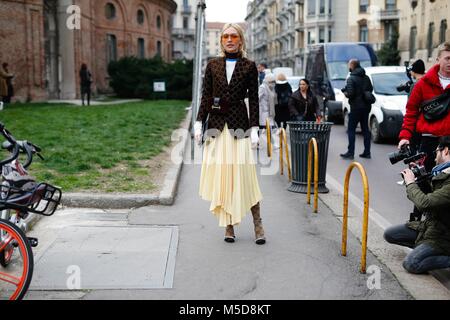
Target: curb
<point>166,197</point>
<point>420,287</point>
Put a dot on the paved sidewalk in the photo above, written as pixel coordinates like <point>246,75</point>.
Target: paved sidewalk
<point>301,259</point>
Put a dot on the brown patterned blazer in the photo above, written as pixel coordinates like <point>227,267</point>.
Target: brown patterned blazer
<point>243,81</point>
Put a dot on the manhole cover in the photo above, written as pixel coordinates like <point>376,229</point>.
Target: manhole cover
<point>108,258</point>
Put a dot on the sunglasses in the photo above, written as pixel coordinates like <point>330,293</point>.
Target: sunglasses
<point>233,37</point>
<point>436,151</point>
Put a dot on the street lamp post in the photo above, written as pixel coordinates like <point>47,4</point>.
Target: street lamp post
<point>197,77</point>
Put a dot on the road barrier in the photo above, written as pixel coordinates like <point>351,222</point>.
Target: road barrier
<point>366,213</point>
<point>284,144</point>
<point>269,139</point>
<point>312,145</point>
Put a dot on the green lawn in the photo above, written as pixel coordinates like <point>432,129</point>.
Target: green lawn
<point>98,148</point>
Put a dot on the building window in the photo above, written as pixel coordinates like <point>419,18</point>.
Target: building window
<point>321,35</point>
<point>185,23</point>
<point>110,11</point>
<point>391,4</point>
<point>363,33</point>
<point>141,48</point>
<point>158,22</point>
<point>412,42</point>
<point>186,46</point>
<point>311,7</point>
<point>442,31</point>
<point>329,35</point>
<point>330,4</point>
<point>322,7</point>
<point>140,16</point>
<point>430,39</point>
<point>111,48</point>
<point>363,5</point>
<point>159,48</point>
<point>311,37</point>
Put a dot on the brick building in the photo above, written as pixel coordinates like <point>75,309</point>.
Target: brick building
<point>46,41</point>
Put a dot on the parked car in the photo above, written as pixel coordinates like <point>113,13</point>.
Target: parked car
<point>294,81</point>
<point>327,70</point>
<point>386,115</point>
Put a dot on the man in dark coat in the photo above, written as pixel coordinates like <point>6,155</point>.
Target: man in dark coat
<point>357,84</point>
<point>430,238</point>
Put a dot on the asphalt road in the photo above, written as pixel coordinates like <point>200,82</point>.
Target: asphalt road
<point>386,196</point>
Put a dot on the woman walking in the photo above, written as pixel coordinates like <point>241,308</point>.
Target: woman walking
<point>303,105</point>
<point>228,177</point>
<point>283,92</point>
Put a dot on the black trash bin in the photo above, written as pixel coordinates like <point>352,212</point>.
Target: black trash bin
<point>300,133</point>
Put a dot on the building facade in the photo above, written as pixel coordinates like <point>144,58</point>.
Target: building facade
<point>183,32</point>
<point>46,41</point>
<point>373,21</point>
<point>423,26</point>
<point>281,30</point>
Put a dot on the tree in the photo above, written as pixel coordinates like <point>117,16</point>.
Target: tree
<point>389,55</point>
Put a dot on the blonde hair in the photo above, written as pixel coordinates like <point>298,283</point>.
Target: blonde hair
<point>281,77</point>
<point>240,31</point>
<point>443,47</point>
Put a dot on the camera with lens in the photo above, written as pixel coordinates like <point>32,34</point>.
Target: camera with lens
<point>408,157</point>
<point>406,87</point>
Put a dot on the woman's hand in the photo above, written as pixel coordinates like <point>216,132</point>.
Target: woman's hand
<point>198,132</point>
<point>254,137</point>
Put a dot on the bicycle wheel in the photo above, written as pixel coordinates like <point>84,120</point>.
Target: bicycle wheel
<point>16,277</point>
<point>7,253</point>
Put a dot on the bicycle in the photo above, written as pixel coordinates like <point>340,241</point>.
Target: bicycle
<point>18,198</point>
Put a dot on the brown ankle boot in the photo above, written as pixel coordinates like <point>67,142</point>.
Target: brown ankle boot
<point>259,230</point>
<point>229,234</point>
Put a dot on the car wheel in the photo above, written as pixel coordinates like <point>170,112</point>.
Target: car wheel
<point>375,130</point>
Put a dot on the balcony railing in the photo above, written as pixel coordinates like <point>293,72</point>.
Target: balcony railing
<point>183,32</point>
<point>390,14</point>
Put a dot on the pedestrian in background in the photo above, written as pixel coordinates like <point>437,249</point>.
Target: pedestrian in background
<point>267,100</point>
<point>6,87</point>
<point>228,177</point>
<point>357,84</point>
<point>85,84</point>
<point>303,104</point>
<point>283,91</point>
<point>261,72</point>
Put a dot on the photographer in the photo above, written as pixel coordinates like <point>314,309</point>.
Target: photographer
<point>429,238</point>
<point>430,127</point>
<point>417,73</point>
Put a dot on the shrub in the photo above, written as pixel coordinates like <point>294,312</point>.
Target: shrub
<point>132,77</point>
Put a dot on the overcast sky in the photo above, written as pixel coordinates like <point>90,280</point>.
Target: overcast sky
<point>226,10</point>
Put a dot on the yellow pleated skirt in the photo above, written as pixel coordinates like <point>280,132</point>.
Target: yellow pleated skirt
<point>228,178</point>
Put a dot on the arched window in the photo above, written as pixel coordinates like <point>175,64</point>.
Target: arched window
<point>159,48</point>
<point>158,22</point>
<point>430,39</point>
<point>140,16</point>
<point>110,11</point>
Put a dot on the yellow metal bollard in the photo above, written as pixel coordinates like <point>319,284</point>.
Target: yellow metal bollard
<point>269,139</point>
<point>284,144</point>
<point>366,213</point>
<point>313,143</point>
